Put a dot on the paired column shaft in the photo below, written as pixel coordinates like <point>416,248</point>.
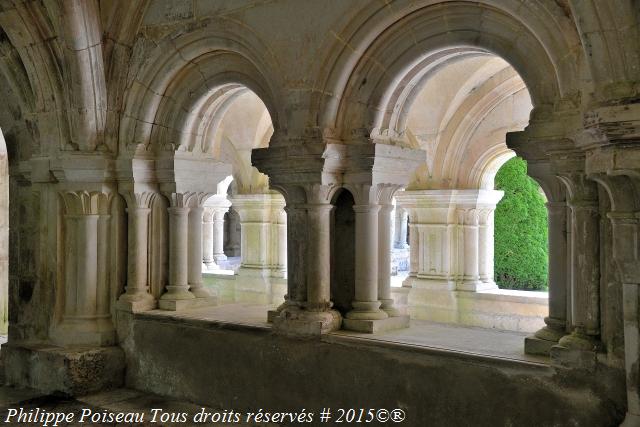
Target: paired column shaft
<point>86,317</point>
<point>366,305</point>
<point>195,253</point>
<point>218,235</point>
<point>557,266</point>
<point>178,287</point>
<point>207,237</point>
<point>400,229</point>
<point>318,251</point>
<point>137,290</point>
<point>586,268</point>
<point>384,260</point>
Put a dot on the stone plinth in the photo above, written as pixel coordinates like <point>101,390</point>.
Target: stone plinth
<point>72,371</point>
<point>376,326</point>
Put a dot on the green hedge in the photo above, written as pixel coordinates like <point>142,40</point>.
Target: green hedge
<point>521,252</point>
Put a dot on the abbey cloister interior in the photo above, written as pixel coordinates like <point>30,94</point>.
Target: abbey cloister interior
<point>290,204</point>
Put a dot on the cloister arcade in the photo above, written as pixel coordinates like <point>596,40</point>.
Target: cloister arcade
<point>462,105</point>
<point>153,146</point>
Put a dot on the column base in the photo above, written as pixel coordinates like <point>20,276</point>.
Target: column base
<point>211,266</point>
<point>376,326</point>
<point>272,314</point>
<point>477,286</point>
<point>136,303</point>
<point>579,341</point>
<point>366,310</point>
<point>631,420</point>
<point>554,330</point>
<point>84,332</point>
<point>219,257</point>
<point>296,321</point>
<point>71,371</point>
<point>538,347</point>
<point>576,350</point>
<point>186,304</point>
<point>388,307</point>
<point>176,293</point>
<point>541,341</point>
<point>199,291</point>
<point>408,281</point>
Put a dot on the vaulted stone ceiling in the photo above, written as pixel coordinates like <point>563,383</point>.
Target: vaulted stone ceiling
<point>460,117</point>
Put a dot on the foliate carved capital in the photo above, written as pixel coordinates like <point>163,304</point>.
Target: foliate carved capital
<point>469,217</point>
<point>86,203</point>
<point>207,214</point>
<point>187,199</point>
<point>485,216</point>
<point>319,193</point>
<point>143,200</point>
<point>372,193</point>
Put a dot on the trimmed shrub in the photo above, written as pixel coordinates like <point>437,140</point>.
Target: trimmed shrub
<point>521,230</point>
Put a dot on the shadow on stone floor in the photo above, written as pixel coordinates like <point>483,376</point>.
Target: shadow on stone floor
<point>135,406</point>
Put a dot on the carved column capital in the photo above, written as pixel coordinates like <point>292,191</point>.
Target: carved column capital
<point>86,203</point>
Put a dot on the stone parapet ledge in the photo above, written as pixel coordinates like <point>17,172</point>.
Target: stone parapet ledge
<point>519,311</point>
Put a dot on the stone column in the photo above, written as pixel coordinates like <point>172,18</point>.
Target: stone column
<point>307,307</point>
<point>233,244</point>
<point>623,191</point>
<point>296,243</point>
<point>103,288</point>
<point>137,296</point>
<point>281,263</point>
<point>195,253</point>
<point>86,317</point>
<point>83,297</point>
<point>559,259</point>
<point>556,322</point>
<point>366,305</point>
<point>585,249</point>
<point>626,253</point>
<point>384,260</point>
<point>318,249</point>
<point>471,238</point>
<point>296,217</point>
<point>414,250</point>
<point>207,238</point>
<point>177,294</point>
<point>485,246</point>
<point>400,229</point>
<point>218,234</point>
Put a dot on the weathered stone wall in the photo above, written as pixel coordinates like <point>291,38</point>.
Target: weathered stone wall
<point>433,388</point>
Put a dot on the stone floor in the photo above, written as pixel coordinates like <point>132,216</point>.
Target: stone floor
<point>467,340</point>
<point>137,404</point>
<point>126,401</point>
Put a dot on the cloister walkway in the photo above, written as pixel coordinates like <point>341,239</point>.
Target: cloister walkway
<point>422,335</point>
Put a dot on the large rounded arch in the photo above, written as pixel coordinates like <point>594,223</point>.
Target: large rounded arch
<point>173,91</point>
<point>368,81</point>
